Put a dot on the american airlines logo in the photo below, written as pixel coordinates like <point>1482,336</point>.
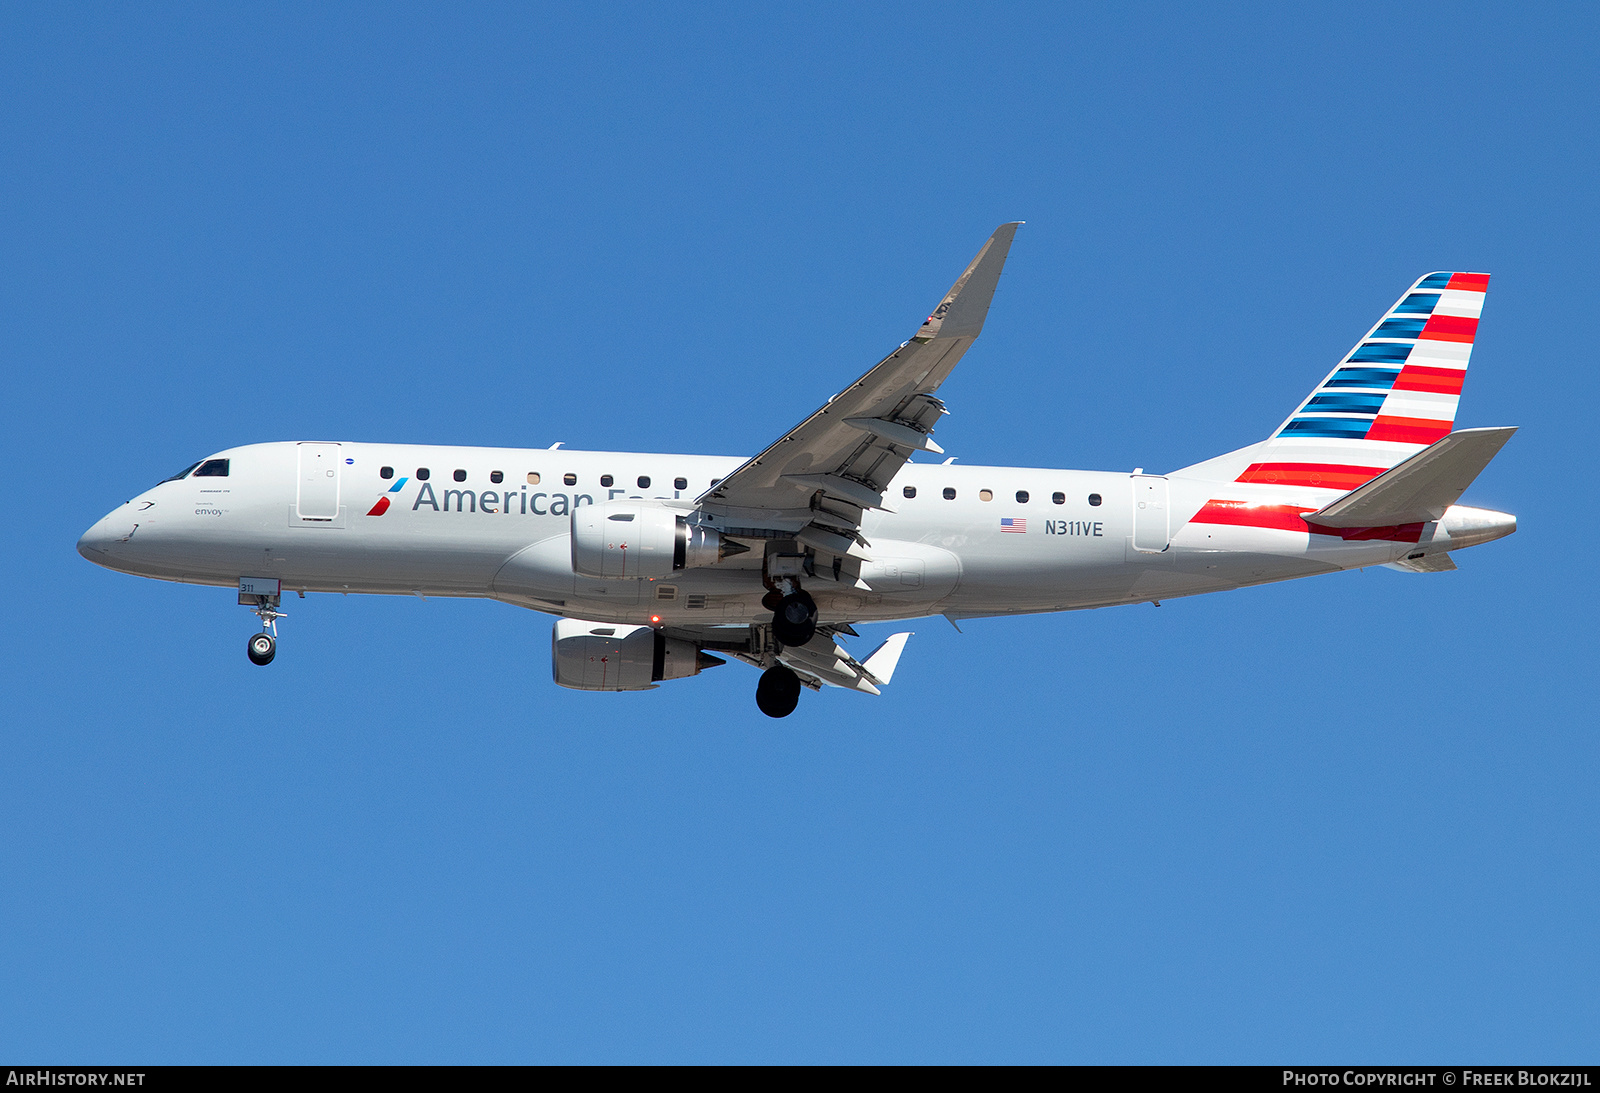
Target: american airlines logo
<point>518,501</point>
<point>382,505</point>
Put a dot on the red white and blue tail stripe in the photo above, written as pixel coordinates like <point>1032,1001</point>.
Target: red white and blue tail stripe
<point>1395,393</point>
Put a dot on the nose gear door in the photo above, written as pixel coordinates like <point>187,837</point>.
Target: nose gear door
<point>317,498</point>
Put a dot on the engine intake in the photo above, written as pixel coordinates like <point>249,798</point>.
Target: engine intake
<point>618,540</point>
<point>603,656</point>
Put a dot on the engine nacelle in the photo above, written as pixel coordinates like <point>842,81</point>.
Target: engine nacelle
<point>631,539</point>
<point>603,656</point>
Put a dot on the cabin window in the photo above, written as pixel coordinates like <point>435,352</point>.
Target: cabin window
<point>1094,499</point>
<point>533,478</point>
<point>985,495</point>
<point>497,477</point>
<point>606,480</point>
<point>1058,498</point>
<point>949,493</point>
<point>714,482</point>
<point>1022,497</point>
<point>461,476</point>
<point>680,483</point>
<point>644,481</point>
<point>212,468</point>
<point>422,474</point>
<point>385,472</point>
<point>910,491</point>
<point>570,479</point>
<point>181,474</point>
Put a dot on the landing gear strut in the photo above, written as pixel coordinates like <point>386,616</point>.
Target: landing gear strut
<point>263,646</point>
<point>778,693</point>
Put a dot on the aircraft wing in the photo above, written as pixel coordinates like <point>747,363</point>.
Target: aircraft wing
<point>819,477</point>
<point>822,660</point>
<point>825,660</point>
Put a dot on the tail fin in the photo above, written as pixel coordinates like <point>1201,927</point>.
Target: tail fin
<point>1391,396</point>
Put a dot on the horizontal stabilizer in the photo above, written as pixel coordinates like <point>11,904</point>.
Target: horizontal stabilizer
<point>1428,563</point>
<point>1422,487</point>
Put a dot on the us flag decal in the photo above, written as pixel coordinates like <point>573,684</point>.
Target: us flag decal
<point>1018,526</point>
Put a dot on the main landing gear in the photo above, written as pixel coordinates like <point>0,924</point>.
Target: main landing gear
<point>794,616</point>
<point>794,623</point>
<point>778,693</point>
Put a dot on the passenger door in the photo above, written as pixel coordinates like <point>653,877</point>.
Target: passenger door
<point>317,499</point>
<point>1150,508</point>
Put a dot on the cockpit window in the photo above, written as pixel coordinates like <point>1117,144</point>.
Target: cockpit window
<point>183,473</point>
<point>213,468</point>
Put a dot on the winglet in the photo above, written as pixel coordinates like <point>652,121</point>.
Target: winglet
<point>881,664</point>
<point>966,305</point>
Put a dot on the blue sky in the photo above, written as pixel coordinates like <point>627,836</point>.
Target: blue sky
<point>1349,818</point>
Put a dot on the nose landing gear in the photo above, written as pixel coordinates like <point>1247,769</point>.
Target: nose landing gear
<point>262,595</point>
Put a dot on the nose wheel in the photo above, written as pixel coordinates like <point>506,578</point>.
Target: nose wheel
<point>262,648</point>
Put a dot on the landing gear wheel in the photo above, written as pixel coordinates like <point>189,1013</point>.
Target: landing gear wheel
<point>795,620</point>
<point>772,599</point>
<point>262,648</point>
<point>778,693</point>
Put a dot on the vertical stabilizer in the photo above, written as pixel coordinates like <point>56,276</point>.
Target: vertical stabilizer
<point>1391,396</point>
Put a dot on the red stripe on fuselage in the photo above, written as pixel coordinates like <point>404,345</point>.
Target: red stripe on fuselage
<point>380,508</point>
<point>1244,514</point>
<point>1292,518</point>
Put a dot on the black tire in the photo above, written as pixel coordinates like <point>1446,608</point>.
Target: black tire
<point>778,693</point>
<point>795,620</point>
<point>261,649</point>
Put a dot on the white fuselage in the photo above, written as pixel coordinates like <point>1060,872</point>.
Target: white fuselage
<point>304,514</point>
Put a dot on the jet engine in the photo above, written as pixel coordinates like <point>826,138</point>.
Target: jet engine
<point>602,656</point>
<point>631,539</point>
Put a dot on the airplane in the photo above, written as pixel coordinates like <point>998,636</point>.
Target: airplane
<point>656,564</point>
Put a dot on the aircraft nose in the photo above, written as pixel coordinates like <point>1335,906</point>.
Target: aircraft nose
<point>92,542</point>
<point>95,544</point>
